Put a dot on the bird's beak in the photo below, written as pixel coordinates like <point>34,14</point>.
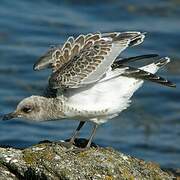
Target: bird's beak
<point>9,116</point>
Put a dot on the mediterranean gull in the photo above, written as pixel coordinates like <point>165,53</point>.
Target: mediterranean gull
<point>89,82</point>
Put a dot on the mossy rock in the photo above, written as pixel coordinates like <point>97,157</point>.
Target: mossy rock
<point>53,161</point>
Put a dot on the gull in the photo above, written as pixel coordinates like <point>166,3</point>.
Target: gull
<point>89,82</point>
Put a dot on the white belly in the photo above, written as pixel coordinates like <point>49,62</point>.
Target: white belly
<point>108,97</point>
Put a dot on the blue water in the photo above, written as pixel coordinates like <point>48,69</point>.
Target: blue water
<point>150,128</point>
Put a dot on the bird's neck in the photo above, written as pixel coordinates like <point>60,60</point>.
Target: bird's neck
<point>54,108</point>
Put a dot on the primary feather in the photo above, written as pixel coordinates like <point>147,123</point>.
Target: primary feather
<point>141,74</point>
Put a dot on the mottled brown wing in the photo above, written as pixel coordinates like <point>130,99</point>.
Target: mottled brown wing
<point>55,57</point>
<point>88,58</point>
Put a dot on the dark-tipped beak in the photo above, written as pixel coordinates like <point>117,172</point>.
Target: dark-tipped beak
<point>9,116</point>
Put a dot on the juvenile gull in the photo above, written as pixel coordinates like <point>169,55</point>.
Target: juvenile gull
<point>88,81</point>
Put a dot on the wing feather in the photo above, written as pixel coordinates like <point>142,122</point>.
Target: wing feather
<point>90,57</point>
<point>142,74</point>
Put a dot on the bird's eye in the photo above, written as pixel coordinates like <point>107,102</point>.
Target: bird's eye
<point>27,109</point>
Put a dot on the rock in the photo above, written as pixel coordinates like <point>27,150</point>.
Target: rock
<point>53,161</point>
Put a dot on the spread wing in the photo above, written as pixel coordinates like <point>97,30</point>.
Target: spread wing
<point>86,59</point>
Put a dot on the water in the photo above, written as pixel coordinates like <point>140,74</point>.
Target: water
<point>150,128</point>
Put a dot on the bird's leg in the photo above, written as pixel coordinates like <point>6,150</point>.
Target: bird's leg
<point>77,150</point>
<point>92,135</point>
<point>77,131</point>
<point>69,143</point>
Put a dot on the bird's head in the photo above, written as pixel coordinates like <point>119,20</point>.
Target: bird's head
<point>31,108</point>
